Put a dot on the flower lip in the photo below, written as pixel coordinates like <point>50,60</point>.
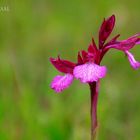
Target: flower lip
<point>89,72</point>
<point>60,83</point>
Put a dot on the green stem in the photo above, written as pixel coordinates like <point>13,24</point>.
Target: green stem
<point>94,99</point>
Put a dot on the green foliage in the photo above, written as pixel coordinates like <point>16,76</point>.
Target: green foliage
<point>34,30</point>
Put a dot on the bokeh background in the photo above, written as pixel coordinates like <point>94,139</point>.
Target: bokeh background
<point>31,31</point>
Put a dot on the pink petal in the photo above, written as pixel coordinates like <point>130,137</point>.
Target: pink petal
<point>127,44</point>
<point>60,83</point>
<point>89,72</point>
<point>135,64</point>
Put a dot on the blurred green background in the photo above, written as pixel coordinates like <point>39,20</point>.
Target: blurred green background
<point>31,31</point>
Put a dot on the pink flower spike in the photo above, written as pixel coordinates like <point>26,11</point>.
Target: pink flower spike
<point>60,83</point>
<point>89,72</point>
<point>135,64</point>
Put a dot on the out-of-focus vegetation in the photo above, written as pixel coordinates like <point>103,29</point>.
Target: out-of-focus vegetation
<point>31,31</point>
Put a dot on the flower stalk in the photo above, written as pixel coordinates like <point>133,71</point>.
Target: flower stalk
<point>94,89</point>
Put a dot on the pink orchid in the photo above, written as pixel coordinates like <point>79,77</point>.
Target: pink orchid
<point>87,68</point>
<point>125,46</point>
<point>60,83</point>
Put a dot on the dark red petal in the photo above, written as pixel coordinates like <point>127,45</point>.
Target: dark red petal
<point>91,49</point>
<point>124,45</point>
<point>62,65</point>
<point>94,44</point>
<point>67,63</point>
<point>79,58</point>
<point>112,41</point>
<point>106,29</point>
<point>128,43</point>
<point>84,56</point>
<point>114,38</point>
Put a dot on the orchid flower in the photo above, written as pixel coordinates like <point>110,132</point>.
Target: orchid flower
<point>88,69</point>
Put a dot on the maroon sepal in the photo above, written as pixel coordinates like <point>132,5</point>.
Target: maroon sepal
<point>84,56</point>
<point>126,44</point>
<point>112,41</point>
<point>64,66</point>
<point>106,29</point>
<point>79,59</point>
<point>92,47</point>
